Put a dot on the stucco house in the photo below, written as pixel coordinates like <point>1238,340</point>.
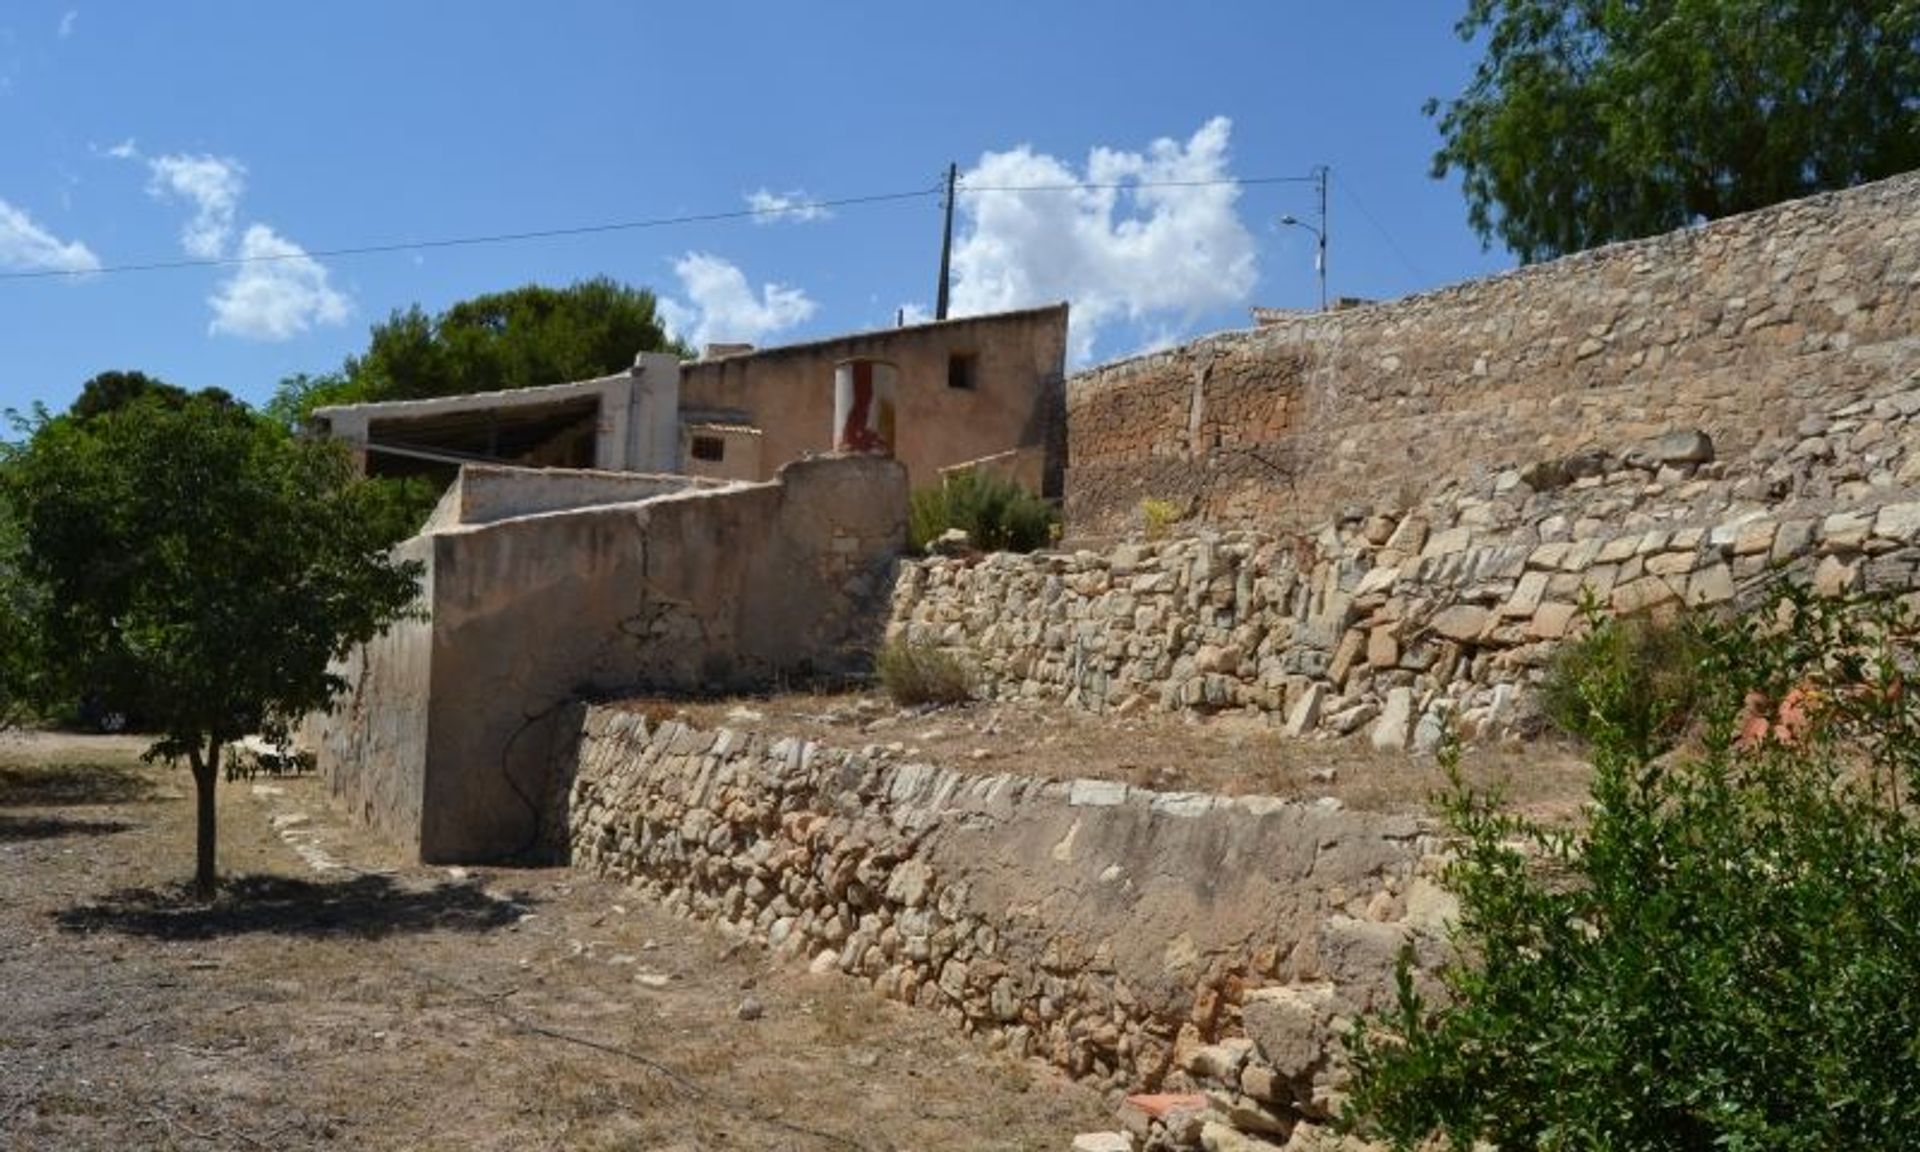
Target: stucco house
<point>962,390</point>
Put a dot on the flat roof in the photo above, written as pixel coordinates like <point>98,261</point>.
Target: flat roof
<point>887,333</point>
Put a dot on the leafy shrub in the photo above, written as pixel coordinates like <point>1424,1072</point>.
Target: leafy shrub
<point>997,514</point>
<point>923,674</point>
<point>1157,517</point>
<point>1634,678</point>
<point>1724,957</point>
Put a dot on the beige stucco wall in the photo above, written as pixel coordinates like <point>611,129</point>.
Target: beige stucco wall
<point>1016,401</point>
<point>447,744</point>
<point>371,748</point>
<point>485,493</point>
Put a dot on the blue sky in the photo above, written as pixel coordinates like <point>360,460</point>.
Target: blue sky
<point>135,132</point>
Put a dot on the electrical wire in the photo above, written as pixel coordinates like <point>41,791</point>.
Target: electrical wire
<point>616,226</point>
<point>1406,262</point>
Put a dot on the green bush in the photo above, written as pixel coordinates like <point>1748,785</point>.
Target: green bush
<point>1635,678</point>
<point>923,674</point>
<point>997,514</point>
<point>1724,957</point>
<point>1157,517</point>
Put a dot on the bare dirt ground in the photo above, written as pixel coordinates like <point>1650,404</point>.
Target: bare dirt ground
<point>334,999</point>
<point>1229,753</point>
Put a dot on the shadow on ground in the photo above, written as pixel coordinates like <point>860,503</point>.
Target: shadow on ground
<point>365,907</point>
<point>56,785</point>
<point>17,828</point>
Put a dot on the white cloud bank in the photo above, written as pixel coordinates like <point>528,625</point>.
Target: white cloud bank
<point>794,207</point>
<point>27,247</point>
<point>1138,253</point>
<point>280,294</point>
<point>721,305</point>
<point>213,186</point>
<point>277,292</point>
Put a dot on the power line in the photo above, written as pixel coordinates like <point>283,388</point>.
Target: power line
<point>1354,197</point>
<point>470,241</point>
<point>617,226</point>
<point>1243,181</point>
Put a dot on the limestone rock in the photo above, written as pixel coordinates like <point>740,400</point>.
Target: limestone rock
<point>1383,648</point>
<point>1461,622</point>
<point>1305,713</point>
<point>1292,1026</point>
<point>1103,1142</point>
<point>1218,1137</point>
<point>1390,731</point>
<point>1686,447</point>
<point>952,542</point>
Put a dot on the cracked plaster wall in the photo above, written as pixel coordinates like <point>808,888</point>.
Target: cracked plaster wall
<point>714,590</point>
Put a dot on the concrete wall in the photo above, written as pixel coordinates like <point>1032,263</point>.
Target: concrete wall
<point>483,493</point>
<point>1143,939</point>
<point>1019,362</point>
<point>371,745</point>
<point>1741,328</point>
<point>713,590</point>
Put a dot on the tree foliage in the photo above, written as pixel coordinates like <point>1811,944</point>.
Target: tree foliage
<point>113,390</point>
<point>527,336</point>
<point>1724,956</point>
<point>195,564</point>
<point>1589,121</point>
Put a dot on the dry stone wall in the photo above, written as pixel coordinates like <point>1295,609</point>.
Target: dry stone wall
<point>1168,941</point>
<point>1742,328</point>
<point>1388,622</point>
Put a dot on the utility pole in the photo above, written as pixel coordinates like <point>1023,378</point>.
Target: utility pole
<point>1320,172</point>
<point>946,244</point>
<point>1320,260</point>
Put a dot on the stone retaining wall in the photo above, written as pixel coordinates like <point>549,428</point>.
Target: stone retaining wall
<point>1740,328</point>
<point>1145,939</point>
<point>1387,620</point>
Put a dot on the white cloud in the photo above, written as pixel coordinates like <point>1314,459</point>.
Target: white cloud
<point>794,207</point>
<point>212,184</point>
<point>722,306</point>
<point>66,23</point>
<point>124,150</point>
<point>911,313</point>
<point>27,247</point>
<point>1136,253</point>
<point>279,294</point>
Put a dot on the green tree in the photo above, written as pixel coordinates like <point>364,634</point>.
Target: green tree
<point>1589,121</point>
<point>116,389</point>
<point>527,336</point>
<point>197,565</point>
<point>1723,956</point>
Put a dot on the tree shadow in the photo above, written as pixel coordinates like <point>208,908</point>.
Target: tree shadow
<point>18,828</point>
<point>367,907</point>
<point>60,785</point>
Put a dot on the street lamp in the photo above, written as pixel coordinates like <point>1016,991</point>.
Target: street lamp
<point>1319,254</point>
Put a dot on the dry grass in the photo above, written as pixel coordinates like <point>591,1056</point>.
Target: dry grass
<point>1232,753</point>
<point>407,1009</point>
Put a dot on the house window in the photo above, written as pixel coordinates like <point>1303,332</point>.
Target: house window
<point>708,448</point>
<point>960,371</point>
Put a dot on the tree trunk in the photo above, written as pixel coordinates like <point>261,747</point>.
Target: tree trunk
<point>206,769</point>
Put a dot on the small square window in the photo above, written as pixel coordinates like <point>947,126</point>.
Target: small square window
<point>708,448</point>
<point>960,371</point>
